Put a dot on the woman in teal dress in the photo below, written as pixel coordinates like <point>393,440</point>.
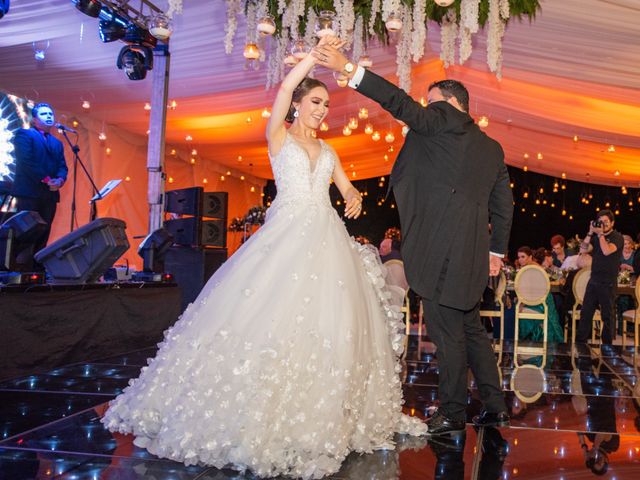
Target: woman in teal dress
<point>532,329</point>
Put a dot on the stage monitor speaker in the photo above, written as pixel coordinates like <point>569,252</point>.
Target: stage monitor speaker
<point>17,235</point>
<point>194,231</point>
<point>192,267</point>
<point>194,201</point>
<point>83,255</point>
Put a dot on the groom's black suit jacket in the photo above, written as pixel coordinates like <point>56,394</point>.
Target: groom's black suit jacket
<point>450,182</point>
<point>37,157</point>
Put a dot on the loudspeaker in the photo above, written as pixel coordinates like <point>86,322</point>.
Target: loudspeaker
<point>194,201</point>
<point>192,267</point>
<point>215,204</point>
<point>197,232</point>
<point>185,201</point>
<point>83,255</point>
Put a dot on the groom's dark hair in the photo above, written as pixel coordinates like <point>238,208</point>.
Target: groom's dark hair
<point>303,88</point>
<point>453,88</point>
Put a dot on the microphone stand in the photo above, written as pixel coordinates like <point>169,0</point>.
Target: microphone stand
<point>76,160</point>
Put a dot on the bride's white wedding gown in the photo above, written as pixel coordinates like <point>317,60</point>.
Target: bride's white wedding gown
<point>288,359</point>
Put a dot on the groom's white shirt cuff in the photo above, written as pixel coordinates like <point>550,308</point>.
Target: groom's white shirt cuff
<point>357,77</point>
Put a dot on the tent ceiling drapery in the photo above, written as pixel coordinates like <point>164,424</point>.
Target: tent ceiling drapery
<point>574,70</point>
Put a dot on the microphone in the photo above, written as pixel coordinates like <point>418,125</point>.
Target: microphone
<point>60,126</point>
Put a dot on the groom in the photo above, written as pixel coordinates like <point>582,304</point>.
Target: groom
<point>450,182</point>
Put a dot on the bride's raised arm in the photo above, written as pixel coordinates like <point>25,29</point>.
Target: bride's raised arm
<point>276,126</point>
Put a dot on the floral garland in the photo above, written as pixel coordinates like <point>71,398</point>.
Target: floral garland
<point>357,21</point>
<point>295,19</point>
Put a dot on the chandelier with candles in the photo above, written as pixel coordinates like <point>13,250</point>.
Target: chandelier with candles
<point>296,25</point>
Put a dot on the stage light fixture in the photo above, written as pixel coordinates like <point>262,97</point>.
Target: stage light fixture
<point>110,31</point>
<point>89,7</point>
<point>136,35</point>
<point>153,249</point>
<point>112,26</point>
<point>135,60</point>
<point>4,7</point>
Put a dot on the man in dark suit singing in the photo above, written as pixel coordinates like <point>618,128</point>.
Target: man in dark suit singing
<point>40,169</point>
<point>450,182</point>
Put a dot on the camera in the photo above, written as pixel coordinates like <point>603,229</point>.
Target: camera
<point>596,223</point>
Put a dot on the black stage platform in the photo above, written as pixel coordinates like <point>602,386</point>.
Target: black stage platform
<point>49,423</point>
<point>46,326</point>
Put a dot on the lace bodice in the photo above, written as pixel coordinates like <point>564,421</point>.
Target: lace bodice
<point>295,179</point>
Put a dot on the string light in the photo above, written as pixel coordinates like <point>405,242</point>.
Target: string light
<point>363,113</point>
<point>368,129</point>
<point>266,113</point>
<point>375,136</point>
<point>324,126</point>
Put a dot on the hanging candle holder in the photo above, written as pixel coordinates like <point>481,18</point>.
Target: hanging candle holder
<point>325,23</point>
<point>266,26</point>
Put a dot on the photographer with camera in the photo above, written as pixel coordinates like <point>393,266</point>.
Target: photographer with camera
<point>606,244</point>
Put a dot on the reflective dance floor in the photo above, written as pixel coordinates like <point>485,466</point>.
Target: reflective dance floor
<point>561,402</point>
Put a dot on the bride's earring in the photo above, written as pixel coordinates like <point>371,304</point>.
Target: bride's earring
<point>295,114</point>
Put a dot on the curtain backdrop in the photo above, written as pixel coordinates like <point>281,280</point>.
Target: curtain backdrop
<point>128,202</point>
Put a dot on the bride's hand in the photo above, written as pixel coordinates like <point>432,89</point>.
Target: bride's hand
<point>353,207</point>
<point>331,41</point>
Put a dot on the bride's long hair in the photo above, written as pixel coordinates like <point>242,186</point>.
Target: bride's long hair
<point>303,88</point>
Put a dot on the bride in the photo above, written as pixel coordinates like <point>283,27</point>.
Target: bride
<point>288,359</point>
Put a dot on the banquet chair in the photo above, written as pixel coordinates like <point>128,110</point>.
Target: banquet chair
<point>532,287</point>
<point>395,273</point>
<point>499,313</point>
<point>632,316</point>
<point>579,287</point>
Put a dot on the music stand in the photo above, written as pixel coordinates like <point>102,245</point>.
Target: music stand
<point>103,192</point>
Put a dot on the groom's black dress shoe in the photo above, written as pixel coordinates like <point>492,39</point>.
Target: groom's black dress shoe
<point>491,419</point>
<point>439,424</point>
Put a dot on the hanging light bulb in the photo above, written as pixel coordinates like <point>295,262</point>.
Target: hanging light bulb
<point>363,113</point>
<point>173,105</point>
<point>375,136</point>
<point>525,168</point>
<point>483,121</point>
<point>324,127</point>
<point>368,129</point>
<point>353,123</point>
<point>266,113</point>
<point>86,105</point>
<point>102,136</point>
<point>389,137</point>
<point>540,157</point>
<point>346,131</point>
<point>611,149</point>
<point>194,152</point>
<point>575,138</point>
<point>147,106</point>
<point>188,138</point>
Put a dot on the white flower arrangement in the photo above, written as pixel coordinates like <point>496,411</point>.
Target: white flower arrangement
<point>459,22</point>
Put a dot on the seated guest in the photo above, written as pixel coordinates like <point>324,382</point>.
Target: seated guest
<point>628,254</point>
<point>391,250</point>
<point>576,262</point>
<point>559,250</point>
<point>532,329</point>
<point>524,258</point>
<point>625,302</point>
<point>543,257</point>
